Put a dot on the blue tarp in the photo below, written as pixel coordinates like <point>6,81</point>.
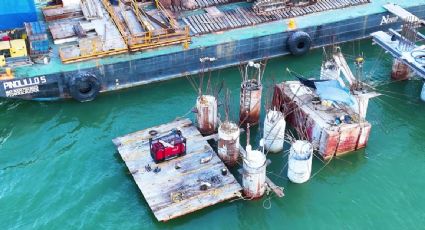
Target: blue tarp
<point>332,91</point>
<point>13,13</point>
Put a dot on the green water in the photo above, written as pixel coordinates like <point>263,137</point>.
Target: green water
<point>60,170</point>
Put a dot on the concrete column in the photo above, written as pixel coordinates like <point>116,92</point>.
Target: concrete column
<point>400,71</point>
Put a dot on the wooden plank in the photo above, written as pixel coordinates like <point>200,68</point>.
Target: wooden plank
<point>241,13</point>
<point>193,23</point>
<point>219,22</point>
<point>337,4</point>
<point>246,15</point>
<point>333,4</point>
<point>215,22</point>
<point>325,5</point>
<point>201,25</point>
<point>229,20</point>
<point>276,189</point>
<point>234,19</point>
<point>204,20</point>
<point>241,18</point>
<point>175,191</point>
<point>190,25</point>
<point>225,21</point>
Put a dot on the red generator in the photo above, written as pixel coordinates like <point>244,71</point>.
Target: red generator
<point>168,146</point>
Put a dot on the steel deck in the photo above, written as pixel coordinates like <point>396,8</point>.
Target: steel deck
<point>306,21</point>
<point>245,16</point>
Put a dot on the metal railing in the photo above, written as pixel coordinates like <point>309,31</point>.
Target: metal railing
<point>116,20</point>
<point>90,55</point>
<point>146,40</point>
<point>159,38</point>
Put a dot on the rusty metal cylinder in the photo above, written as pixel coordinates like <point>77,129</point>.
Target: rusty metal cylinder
<point>206,106</point>
<point>250,102</point>
<point>228,143</point>
<point>254,173</point>
<point>400,71</point>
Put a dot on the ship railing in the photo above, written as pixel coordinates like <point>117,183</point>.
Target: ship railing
<point>158,38</point>
<point>141,16</point>
<point>147,41</point>
<point>97,54</point>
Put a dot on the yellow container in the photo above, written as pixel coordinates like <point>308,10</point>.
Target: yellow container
<point>18,48</point>
<point>292,25</point>
<point>4,45</point>
<point>9,72</point>
<point>2,61</point>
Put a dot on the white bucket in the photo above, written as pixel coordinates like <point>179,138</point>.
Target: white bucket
<point>274,131</point>
<point>300,161</point>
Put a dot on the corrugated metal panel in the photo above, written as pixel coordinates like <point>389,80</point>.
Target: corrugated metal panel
<point>13,14</point>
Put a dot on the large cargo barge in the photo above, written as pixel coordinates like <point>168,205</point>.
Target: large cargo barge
<point>225,34</point>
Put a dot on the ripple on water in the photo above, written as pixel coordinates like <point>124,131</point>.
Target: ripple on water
<point>65,172</point>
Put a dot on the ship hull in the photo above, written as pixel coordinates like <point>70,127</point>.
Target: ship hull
<point>172,65</point>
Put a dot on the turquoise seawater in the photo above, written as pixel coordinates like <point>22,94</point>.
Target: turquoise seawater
<point>60,170</point>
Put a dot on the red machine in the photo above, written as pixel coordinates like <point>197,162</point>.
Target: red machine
<point>167,147</point>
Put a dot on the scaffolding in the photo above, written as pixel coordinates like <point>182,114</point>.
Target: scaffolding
<point>151,37</point>
<point>124,39</point>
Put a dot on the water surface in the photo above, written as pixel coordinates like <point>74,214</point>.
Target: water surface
<point>59,168</point>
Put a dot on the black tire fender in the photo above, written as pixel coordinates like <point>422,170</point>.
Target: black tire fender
<point>299,43</point>
<point>84,87</point>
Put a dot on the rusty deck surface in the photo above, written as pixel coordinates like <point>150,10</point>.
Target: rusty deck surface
<point>317,122</point>
<point>241,16</point>
<point>174,191</point>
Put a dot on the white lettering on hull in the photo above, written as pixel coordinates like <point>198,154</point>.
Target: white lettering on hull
<point>22,91</point>
<point>23,86</point>
<point>387,20</point>
<point>24,82</point>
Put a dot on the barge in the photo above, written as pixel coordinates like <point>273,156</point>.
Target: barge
<point>104,46</point>
<point>331,112</point>
<point>321,124</point>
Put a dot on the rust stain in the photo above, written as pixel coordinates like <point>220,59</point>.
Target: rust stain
<point>250,106</point>
<point>232,151</point>
<point>400,71</point>
<point>331,142</point>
